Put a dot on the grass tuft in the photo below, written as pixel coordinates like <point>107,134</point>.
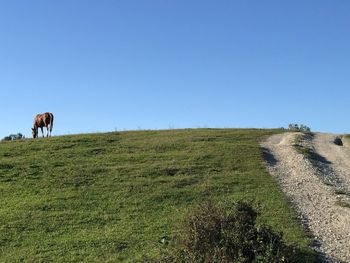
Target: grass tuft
<point>343,204</point>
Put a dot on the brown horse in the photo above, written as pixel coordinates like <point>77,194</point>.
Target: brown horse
<point>42,120</point>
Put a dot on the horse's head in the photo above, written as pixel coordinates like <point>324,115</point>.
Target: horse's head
<point>34,133</point>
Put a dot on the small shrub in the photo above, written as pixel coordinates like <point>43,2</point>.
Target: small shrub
<point>228,233</point>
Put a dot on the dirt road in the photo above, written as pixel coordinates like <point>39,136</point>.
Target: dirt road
<point>318,188</point>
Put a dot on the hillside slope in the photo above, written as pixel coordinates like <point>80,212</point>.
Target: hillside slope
<point>112,197</point>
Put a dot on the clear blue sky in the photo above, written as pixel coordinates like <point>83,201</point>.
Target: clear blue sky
<point>156,64</point>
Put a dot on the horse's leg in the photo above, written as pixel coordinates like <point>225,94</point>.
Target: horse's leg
<point>42,131</point>
<point>47,128</point>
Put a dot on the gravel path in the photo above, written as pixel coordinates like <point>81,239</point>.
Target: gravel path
<point>316,202</point>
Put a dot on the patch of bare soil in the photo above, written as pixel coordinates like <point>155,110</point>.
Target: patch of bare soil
<point>318,185</point>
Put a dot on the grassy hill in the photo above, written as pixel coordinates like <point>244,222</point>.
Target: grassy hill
<point>112,197</point>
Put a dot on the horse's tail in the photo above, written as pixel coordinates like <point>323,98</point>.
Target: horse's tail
<point>51,122</point>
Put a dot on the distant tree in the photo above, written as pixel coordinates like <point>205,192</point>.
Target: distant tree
<point>13,137</point>
<point>301,127</point>
<point>293,126</point>
<point>304,128</point>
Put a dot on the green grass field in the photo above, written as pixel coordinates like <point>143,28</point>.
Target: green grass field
<point>112,197</point>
